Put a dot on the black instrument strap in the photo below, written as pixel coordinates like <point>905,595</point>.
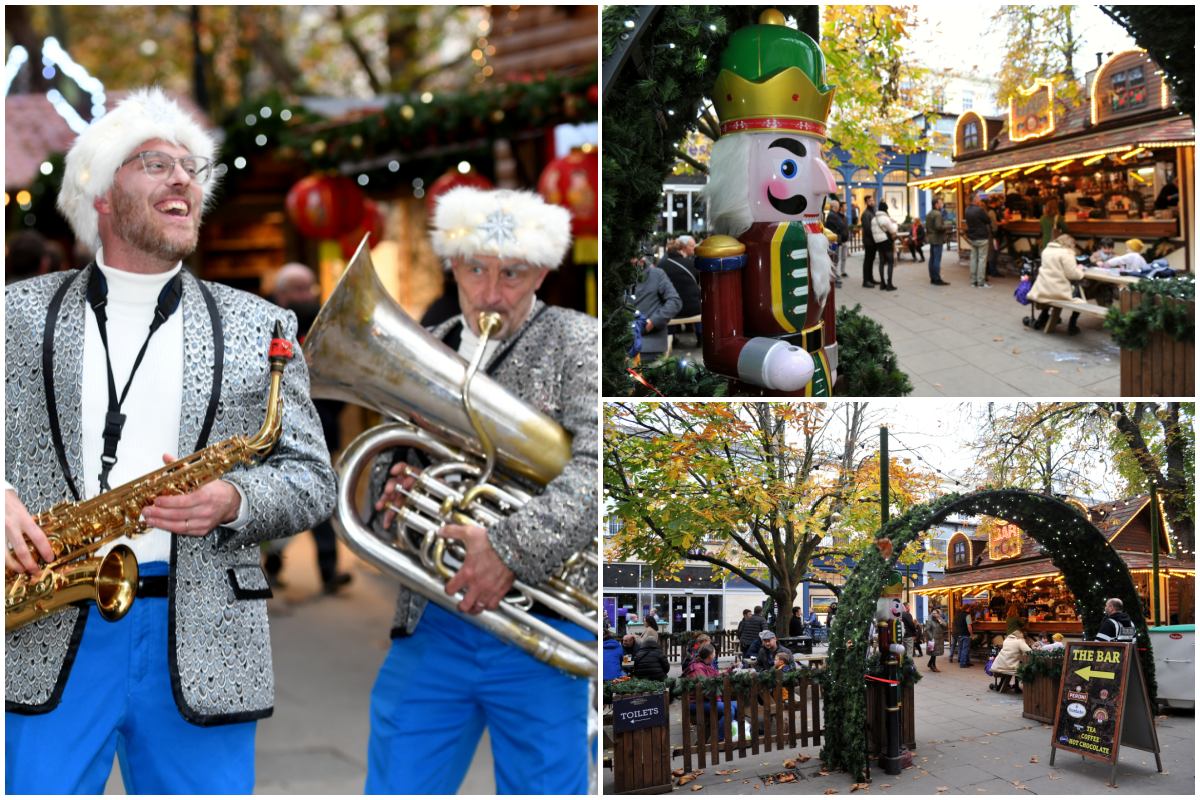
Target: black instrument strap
<point>214,395</point>
<point>48,380</point>
<point>114,420</point>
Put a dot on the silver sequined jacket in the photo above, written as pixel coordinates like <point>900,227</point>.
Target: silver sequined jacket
<point>220,650</point>
<point>552,366</point>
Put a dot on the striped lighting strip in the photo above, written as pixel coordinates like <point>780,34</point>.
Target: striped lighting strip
<point>1122,149</point>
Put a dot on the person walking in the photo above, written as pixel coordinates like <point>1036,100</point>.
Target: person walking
<point>868,244</point>
<point>963,633</point>
<point>1056,282</point>
<point>979,231</point>
<point>916,240</point>
<point>935,227</point>
<point>935,632</point>
<point>883,231</point>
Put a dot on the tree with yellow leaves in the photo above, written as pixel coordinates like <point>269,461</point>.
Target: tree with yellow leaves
<point>759,490</point>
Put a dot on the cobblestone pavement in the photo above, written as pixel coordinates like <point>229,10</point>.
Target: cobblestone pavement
<point>969,741</point>
<point>327,651</point>
<point>957,341</point>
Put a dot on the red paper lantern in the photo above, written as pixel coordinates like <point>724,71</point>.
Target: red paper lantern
<point>325,207</point>
<point>452,180</point>
<point>593,94</point>
<point>373,222</point>
<point>571,182</point>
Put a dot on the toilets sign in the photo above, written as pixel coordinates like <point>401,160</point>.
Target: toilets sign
<point>634,713</point>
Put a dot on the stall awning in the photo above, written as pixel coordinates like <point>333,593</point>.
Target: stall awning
<point>1165,133</point>
<point>1044,568</point>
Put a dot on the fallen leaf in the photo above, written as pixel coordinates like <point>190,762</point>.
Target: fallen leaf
<point>788,778</point>
<point>747,780</point>
<point>677,771</point>
<point>802,758</point>
<point>737,770</point>
<point>981,790</point>
<point>697,772</point>
<point>998,339</point>
<point>685,779</point>
<point>1018,352</point>
<point>697,788</point>
<point>938,385</point>
<point>1079,369</point>
<point>756,786</point>
<point>721,772</point>
<point>943,788</point>
<point>831,791</point>
<point>727,780</point>
<point>791,762</point>
<point>856,786</point>
<point>1055,778</point>
<point>884,785</point>
<point>1033,760</point>
<point>1051,372</point>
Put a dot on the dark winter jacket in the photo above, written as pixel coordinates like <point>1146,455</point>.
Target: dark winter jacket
<point>686,281</point>
<point>752,626</point>
<point>868,242</point>
<point>979,224</point>
<point>766,658</point>
<point>650,662</point>
<point>795,626</point>
<point>1117,627</point>
<point>837,223</point>
<point>910,625</point>
<point>612,658</point>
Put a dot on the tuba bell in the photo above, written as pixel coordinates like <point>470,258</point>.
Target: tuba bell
<point>492,453</point>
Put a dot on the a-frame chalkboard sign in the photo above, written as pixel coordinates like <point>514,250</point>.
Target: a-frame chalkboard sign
<point>1103,704</point>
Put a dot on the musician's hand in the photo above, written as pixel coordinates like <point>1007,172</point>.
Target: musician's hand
<point>402,475</point>
<point>19,526</point>
<point>195,514</point>
<point>483,574</point>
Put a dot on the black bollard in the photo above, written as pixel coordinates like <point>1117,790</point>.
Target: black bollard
<point>888,634</point>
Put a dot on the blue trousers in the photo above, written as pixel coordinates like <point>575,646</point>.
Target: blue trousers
<point>964,651</point>
<point>440,687</point>
<point>935,262</point>
<point>720,715</point>
<point>118,699</point>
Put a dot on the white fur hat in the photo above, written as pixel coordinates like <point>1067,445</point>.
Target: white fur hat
<point>94,159</point>
<point>501,222</point>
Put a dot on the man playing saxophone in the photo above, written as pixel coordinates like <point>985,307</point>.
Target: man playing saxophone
<point>426,720</point>
<point>109,372</point>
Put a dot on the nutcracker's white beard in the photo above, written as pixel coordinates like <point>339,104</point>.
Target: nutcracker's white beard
<point>820,266</point>
<point>727,195</point>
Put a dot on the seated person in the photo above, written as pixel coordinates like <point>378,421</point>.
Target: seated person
<point>1007,660</point>
<point>612,656</point>
<point>752,653</point>
<point>1133,260</point>
<point>1100,257</point>
<point>766,652</point>
<point>650,662</point>
<point>784,663</point>
<point>814,622</point>
<point>1057,644</point>
<point>689,652</point>
<point>702,667</point>
<point>1055,282</point>
<point>629,644</point>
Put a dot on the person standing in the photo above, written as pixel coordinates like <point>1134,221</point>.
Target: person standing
<point>830,614</point>
<point>935,225</point>
<point>426,721</point>
<point>677,266</point>
<point>935,632</point>
<point>916,240</point>
<point>175,687</point>
<point>910,630</point>
<point>1052,223</point>
<point>993,270</point>
<point>1117,625</point>
<point>740,626</point>
<point>868,242</point>
<point>963,632</point>
<point>883,231</point>
<point>835,220</point>
<point>752,626</point>
<point>979,231</point>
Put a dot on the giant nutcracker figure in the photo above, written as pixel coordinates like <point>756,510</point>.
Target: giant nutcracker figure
<point>767,305</point>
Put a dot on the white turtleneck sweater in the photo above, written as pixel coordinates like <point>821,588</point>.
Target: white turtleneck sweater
<point>155,397</point>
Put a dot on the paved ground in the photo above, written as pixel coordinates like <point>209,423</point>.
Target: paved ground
<point>956,341</point>
<point>327,651</point>
<point>969,741</point>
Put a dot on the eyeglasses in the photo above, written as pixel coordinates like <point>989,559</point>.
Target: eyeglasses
<point>160,166</point>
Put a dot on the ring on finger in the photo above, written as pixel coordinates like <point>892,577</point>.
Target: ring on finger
<point>187,523</point>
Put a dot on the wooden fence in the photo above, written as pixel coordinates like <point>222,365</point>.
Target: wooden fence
<point>764,719</point>
<point>1166,368</point>
<point>725,642</point>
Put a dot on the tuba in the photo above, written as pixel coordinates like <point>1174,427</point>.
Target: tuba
<point>492,451</point>
<point>77,529</point>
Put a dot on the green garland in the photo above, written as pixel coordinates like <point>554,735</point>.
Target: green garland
<point>632,686</point>
<point>680,48</point>
<point>1091,569</point>
<point>1133,330</point>
<point>746,682</point>
<point>865,357</point>
<point>1047,664</point>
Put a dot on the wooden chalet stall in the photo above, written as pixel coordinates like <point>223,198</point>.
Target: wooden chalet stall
<point>1009,573</point>
<point>1109,164</point>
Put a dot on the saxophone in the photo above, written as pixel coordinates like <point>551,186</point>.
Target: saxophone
<point>77,529</point>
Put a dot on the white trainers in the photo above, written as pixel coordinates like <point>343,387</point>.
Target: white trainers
<point>985,286</point>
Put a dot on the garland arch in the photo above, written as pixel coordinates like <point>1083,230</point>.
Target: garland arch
<point>1091,568</point>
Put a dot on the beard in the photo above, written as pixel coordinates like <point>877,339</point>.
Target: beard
<point>134,222</point>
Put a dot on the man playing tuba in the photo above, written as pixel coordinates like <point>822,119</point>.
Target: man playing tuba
<point>176,685</point>
<point>444,680</point>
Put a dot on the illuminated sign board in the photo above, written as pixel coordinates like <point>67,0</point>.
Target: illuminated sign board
<point>1031,112</point>
<point>1005,541</point>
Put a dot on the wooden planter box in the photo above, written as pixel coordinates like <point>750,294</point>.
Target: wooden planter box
<point>1040,696</point>
<point>642,759</point>
<point>876,717</point>
<point>1166,368</point>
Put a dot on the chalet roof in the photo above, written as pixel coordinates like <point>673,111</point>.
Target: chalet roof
<point>1039,568</point>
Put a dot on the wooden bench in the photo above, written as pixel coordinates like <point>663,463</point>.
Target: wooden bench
<point>1058,306</point>
<point>678,321</point>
